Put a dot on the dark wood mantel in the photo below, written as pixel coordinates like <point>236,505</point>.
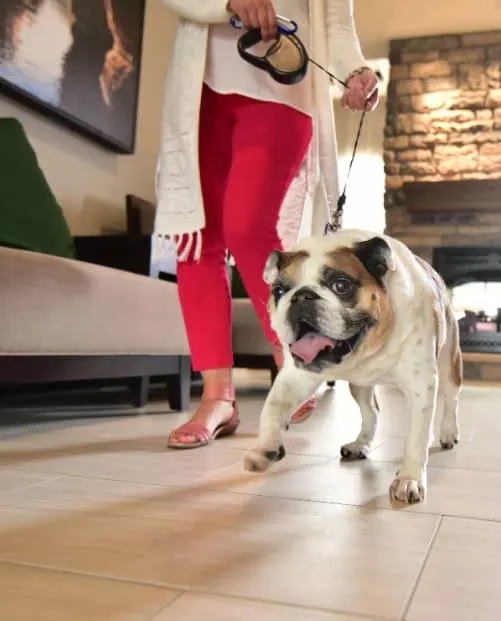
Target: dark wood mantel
<point>475,195</point>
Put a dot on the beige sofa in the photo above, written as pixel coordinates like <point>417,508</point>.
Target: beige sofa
<point>68,320</point>
<point>64,319</point>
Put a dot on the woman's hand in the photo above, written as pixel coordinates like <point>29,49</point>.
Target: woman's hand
<point>256,14</point>
<point>362,92</point>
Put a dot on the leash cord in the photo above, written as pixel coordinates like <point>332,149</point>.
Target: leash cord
<point>334,223</point>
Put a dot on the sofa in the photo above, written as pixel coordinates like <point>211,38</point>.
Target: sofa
<point>65,320</point>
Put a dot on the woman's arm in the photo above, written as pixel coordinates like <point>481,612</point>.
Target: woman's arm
<point>205,11</point>
<point>345,54</point>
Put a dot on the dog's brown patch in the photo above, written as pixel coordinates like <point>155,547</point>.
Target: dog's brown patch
<point>289,266</point>
<point>291,262</point>
<point>372,297</point>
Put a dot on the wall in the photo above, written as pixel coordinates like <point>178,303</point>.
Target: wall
<point>90,182</point>
<point>444,110</point>
<point>379,21</point>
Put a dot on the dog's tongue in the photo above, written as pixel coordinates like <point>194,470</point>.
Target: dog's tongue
<point>310,345</point>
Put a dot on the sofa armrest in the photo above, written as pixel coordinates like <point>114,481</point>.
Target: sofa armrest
<point>129,253</point>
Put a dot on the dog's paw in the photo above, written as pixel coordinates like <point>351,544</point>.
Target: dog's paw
<point>448,438</point>
<point>354,451</point>
<point>258,460</point>
<point>448,442</point>
<point>407,489</point>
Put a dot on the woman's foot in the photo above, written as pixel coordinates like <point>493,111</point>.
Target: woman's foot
<point>214,418</point>
<point>304,412</point>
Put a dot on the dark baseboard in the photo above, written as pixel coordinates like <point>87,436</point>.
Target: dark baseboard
<point>254,361</point>
<point>19,370</point>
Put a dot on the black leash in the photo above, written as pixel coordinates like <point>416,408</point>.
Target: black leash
<point>334,223</point>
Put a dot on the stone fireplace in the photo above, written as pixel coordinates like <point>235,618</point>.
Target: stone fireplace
<point>442,157</point>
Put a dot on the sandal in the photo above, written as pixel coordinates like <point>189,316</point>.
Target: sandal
<point>200,435</point>
<point>304,412</point>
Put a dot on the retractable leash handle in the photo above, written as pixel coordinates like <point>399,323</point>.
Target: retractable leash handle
<point>287,26</point>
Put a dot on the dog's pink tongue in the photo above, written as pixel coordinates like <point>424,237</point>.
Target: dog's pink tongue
<point>310,345</point>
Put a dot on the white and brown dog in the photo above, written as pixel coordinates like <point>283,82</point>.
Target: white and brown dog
<point>365,309</point>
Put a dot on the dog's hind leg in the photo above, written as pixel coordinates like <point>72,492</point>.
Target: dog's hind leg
<point>365,397</point>
<point>450,370</point>
<point>290,390</point>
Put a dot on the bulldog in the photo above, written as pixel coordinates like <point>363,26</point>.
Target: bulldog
<point>362,308</point>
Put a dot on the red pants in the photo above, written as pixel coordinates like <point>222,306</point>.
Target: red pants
<point>250,151</point>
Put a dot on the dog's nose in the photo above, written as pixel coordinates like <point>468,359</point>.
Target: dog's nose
<point>304,294</point>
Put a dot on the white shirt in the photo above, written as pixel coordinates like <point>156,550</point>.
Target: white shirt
<point>226,72</point>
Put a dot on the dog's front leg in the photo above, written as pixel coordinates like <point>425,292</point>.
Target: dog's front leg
<point>289,391</point>
<point>409,485</point>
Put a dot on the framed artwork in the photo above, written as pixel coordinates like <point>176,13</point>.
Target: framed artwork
<point>77,61</point>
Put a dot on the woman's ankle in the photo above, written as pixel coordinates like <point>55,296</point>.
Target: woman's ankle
<point>218,385</point>
<point>278,356</point>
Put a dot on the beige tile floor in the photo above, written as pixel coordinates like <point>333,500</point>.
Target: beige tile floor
<point>99,522</point>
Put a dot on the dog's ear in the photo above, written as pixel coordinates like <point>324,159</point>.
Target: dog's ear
<point>274,264</point>
<point>280,260</point>
<point>376,256</point>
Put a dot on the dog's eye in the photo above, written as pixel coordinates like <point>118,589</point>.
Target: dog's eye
<point>343,287</point>
<point>278,291</point>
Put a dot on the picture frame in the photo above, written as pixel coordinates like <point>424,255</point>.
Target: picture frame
<point>77,62</point>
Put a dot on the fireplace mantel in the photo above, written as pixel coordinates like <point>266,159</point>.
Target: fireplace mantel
<point>472,195</point>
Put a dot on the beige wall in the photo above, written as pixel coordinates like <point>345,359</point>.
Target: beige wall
<point>381,20</point>
<point>90,182</point>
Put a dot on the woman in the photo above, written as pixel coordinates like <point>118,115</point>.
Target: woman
<point>233,145</point>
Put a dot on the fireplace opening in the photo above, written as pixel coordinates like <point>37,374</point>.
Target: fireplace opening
<point>473,278</point>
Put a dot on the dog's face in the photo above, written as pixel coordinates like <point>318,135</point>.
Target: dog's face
<point>330,303</point>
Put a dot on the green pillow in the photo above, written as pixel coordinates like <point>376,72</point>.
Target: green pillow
<point>30,216</point>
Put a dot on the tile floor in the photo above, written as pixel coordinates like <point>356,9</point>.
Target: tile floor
<point>99,522</point>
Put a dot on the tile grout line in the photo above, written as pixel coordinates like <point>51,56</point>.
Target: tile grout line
<point>165,606</point>
<point>204,477</point>
<point>181,591</point>
<point>404,510</point>
<point>331,611</point>
<point>417,582</point>
<point>32,485</point>
<point>90,574</point>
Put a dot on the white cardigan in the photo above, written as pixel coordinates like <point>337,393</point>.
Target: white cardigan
<point>334,44</point>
